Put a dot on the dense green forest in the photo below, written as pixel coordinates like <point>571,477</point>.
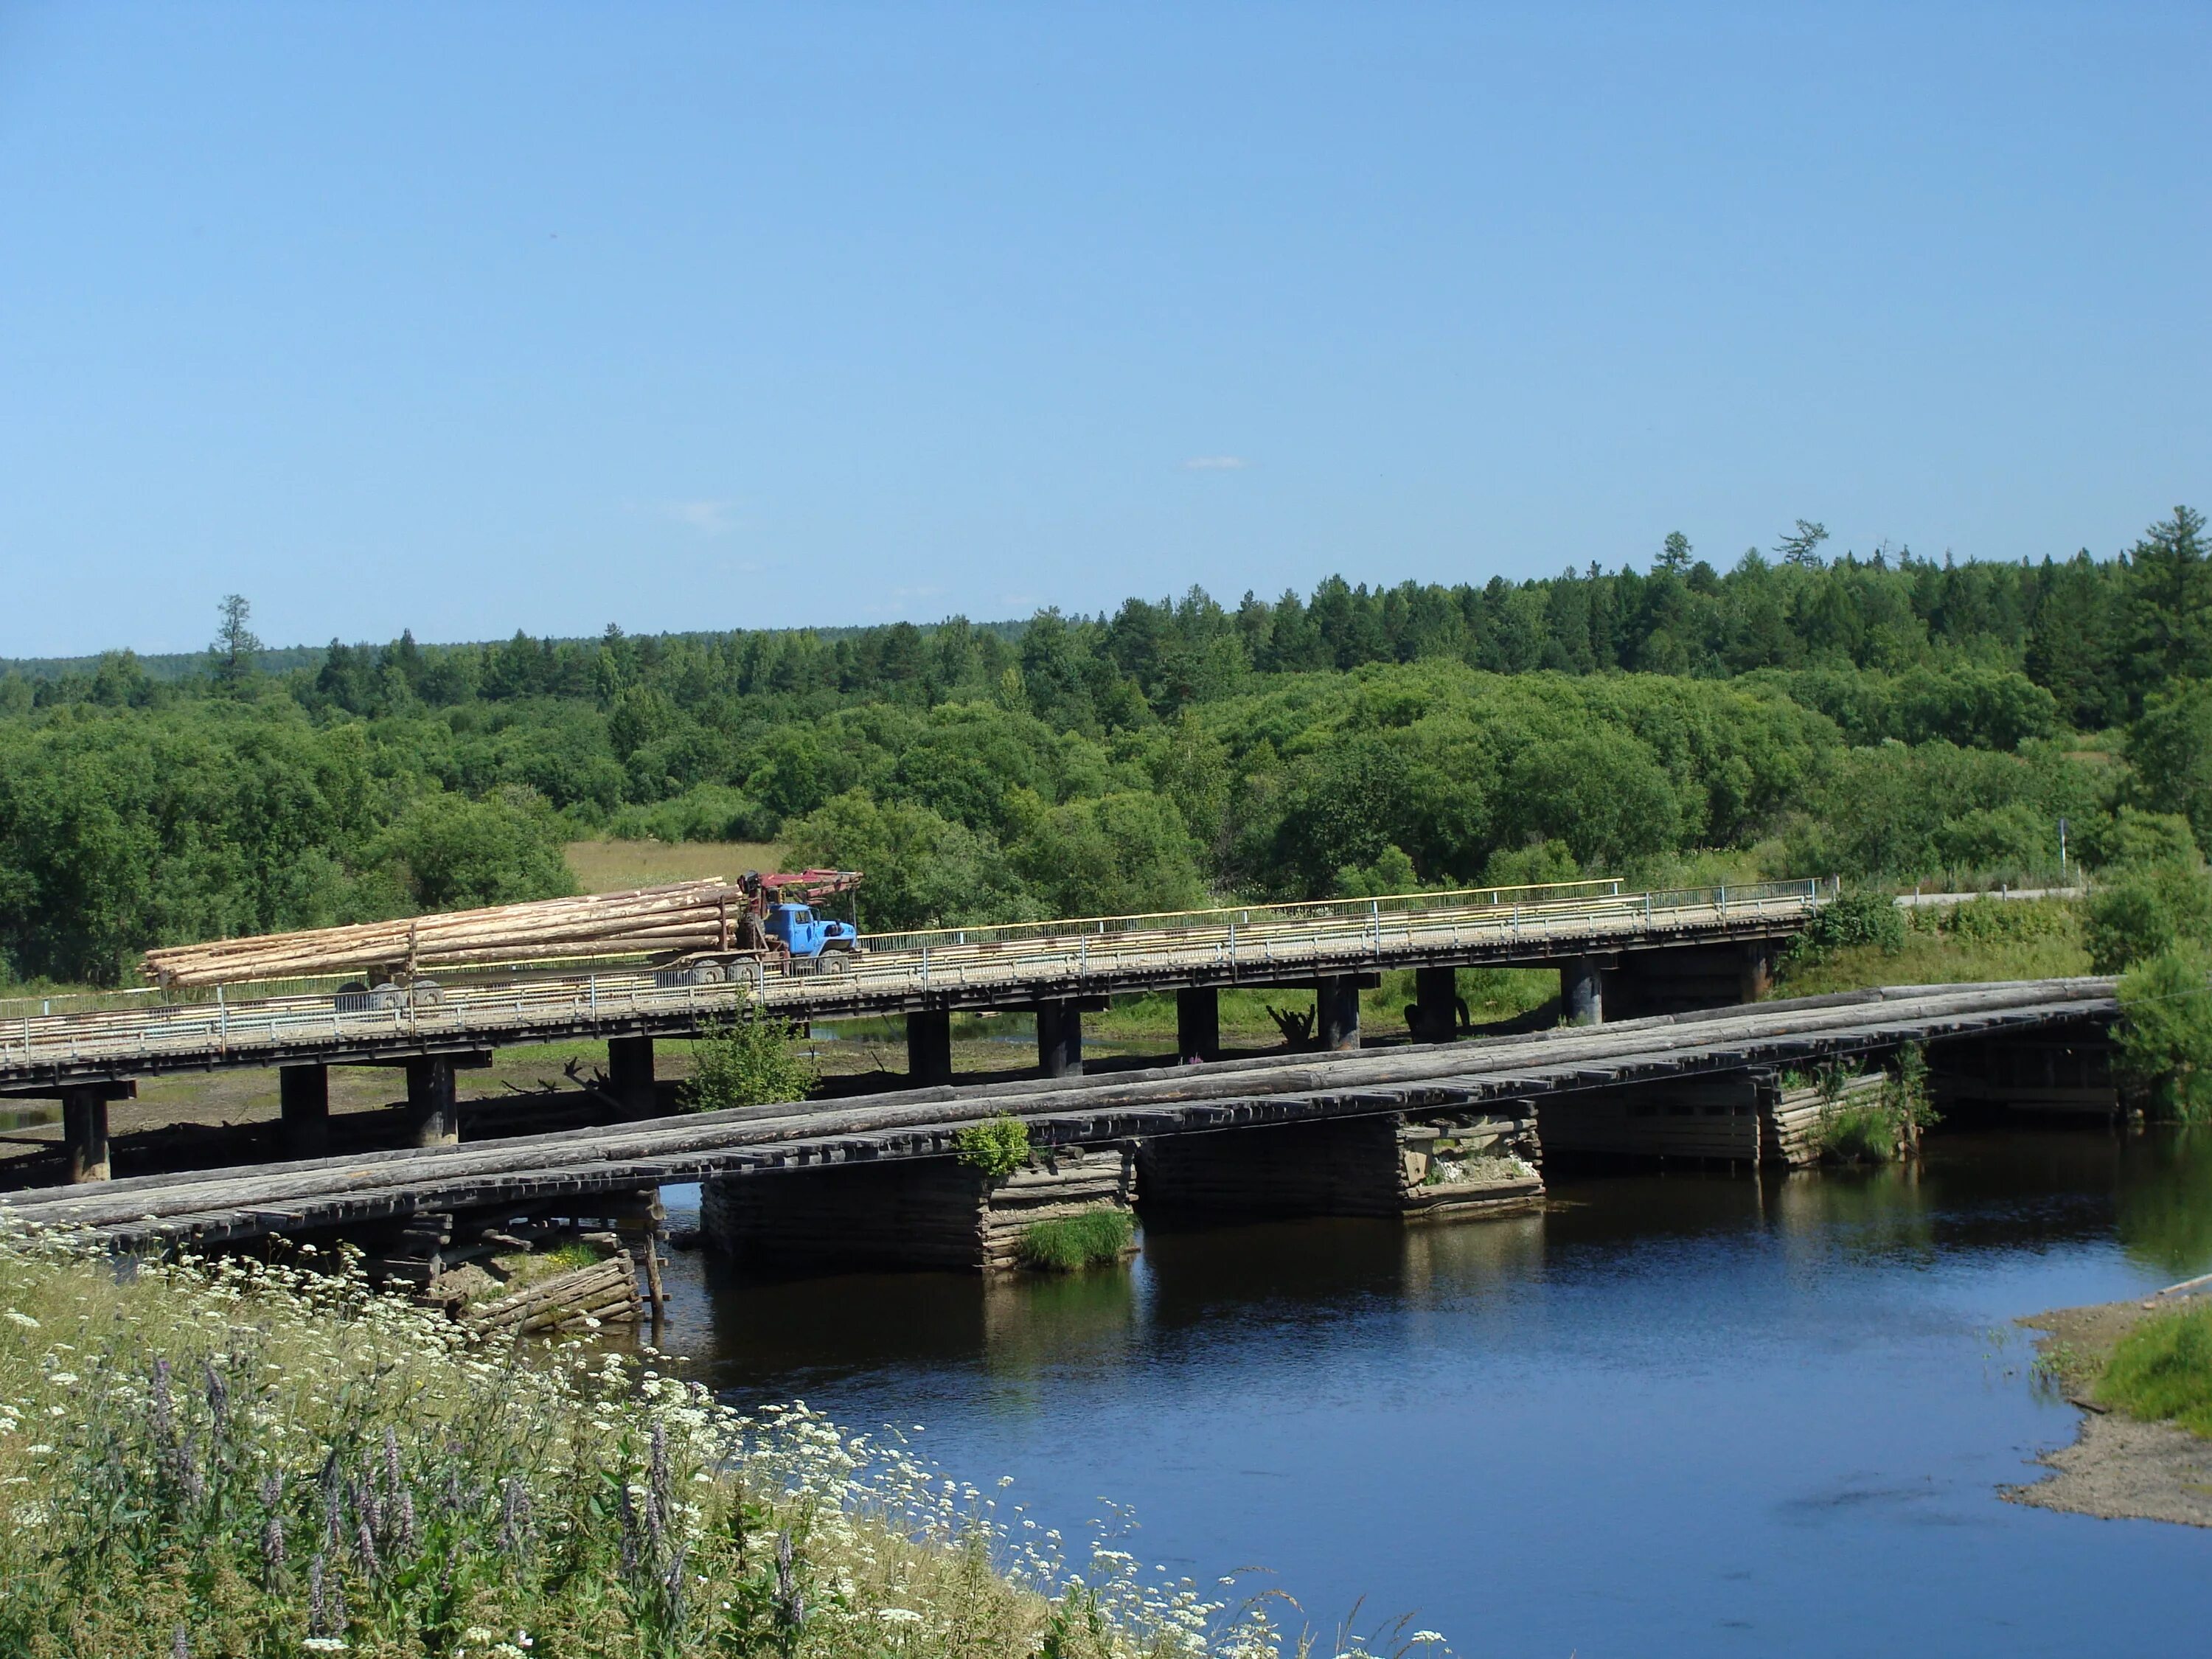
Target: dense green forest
<point>1890,718</point>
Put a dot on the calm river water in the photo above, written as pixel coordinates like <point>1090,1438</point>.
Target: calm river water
<point>1674,1414</point>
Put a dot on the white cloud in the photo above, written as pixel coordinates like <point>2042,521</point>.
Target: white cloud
<point>708,517</point>
<point>1215,464</point>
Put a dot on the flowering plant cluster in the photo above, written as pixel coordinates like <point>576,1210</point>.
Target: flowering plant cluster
<point>228,1457</point>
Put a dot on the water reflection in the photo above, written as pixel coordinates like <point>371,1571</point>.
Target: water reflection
<point>2165,1198</point>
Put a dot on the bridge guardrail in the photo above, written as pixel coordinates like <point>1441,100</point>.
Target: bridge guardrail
<point>1340,936</point>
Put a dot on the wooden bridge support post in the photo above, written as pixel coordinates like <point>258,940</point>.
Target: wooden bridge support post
<point>1059,1039</point>
<point>1757,978</point>
<point>304,1093</point>
<point>1435,1014</point>
<point>431,1111</point>
<point>84,1132</point>
<point>1198,1023</point>
<point>1581,994</point>
<point>1336,1013</point>
<point>629,1076</point>
<point>928,1047</point>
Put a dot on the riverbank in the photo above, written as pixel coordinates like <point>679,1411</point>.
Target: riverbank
<point>239,1458</point>
<point>2121,1364</point>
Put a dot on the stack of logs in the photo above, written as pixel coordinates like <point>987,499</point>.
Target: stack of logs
<point>420,1251</point>
<point>605,1291</point>
<point>689,916</point>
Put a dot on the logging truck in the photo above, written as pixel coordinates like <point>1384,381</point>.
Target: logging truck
<point>705,931</point>
<point>777,931</point>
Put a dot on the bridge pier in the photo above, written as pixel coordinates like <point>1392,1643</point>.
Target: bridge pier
<point>84,1127</point>
<point>304,1097</point>
<point>1436,1166</point>
<point>1059,1039</point>
<point>629,1076</point>
<point>432,1116</point>
<point>1336,1013</point>
<point>928,1047</point>
<point>935,1213</point>
<point>1746,1117</point>
<point>1198,1023</point>
<point>1582,992</point>
<point>1437,1013</point>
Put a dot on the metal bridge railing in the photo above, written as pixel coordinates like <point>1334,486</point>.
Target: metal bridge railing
<point>1265,941</point>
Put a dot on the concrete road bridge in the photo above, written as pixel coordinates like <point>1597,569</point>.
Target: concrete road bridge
<point>1619,953</point>
<point>1420,1131</point>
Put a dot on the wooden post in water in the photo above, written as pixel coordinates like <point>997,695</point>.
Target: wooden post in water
<point>1336,1013</point>
<point>629,1076</point>
<point>432,1113</point>
<point>1198,1023</point>
<point>1582,992</point>
<point>1434,1017</point>
<point>84,1130</point>
<point>928,1047</point>
<point>304,1094</point>
<point>1059,1039</point>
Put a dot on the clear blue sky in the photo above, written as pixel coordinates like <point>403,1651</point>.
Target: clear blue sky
<point>475,316</point>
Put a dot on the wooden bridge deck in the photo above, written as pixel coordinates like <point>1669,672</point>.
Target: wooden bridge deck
<point>942,971</point>
<point>221,1206</point>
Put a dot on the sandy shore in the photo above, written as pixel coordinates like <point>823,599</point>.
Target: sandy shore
<point>2119,1468</point>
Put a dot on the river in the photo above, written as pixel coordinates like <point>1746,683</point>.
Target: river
<point>1678,1413</point>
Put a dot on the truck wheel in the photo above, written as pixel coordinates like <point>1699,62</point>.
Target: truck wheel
<point>708,973</point>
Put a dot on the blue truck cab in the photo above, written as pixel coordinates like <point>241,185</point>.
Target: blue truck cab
<point>800,932</point>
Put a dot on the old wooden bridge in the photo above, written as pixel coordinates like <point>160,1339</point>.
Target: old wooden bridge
<point>1618,953</point>
<point>1413,1130</point>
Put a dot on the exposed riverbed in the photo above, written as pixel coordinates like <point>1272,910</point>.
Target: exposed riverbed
<point>1674,1414</point>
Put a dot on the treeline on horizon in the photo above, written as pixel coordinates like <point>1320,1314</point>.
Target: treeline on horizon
<point>1890,719</point>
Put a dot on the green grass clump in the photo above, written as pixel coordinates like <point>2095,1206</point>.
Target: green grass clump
<point>1076,1242</point>
<point>2162,1370</point>
<point>1857,1135</point>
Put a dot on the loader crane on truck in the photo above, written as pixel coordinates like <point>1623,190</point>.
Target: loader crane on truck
<point>776,929</point>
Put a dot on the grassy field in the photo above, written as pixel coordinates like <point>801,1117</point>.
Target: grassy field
<point>614,866</point>
<point>1984,940</point>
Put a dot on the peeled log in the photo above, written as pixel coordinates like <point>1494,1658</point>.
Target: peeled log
<point>682,915</point>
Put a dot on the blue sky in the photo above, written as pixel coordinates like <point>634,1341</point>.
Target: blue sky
<point>472,318</point>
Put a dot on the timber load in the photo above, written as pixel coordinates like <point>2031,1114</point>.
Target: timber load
<point>683,916</point>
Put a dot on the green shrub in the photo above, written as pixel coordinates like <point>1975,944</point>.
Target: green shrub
<point>749,1060</point>
<point>2162,1370</point>
<point>1991,921</point>
<point>996,1146</point>
<point>2148,910</point>
<point>2165,1034</point>
<point>1853,920</point>
<point>1906,1098</point>
<point>1076,1242</point>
